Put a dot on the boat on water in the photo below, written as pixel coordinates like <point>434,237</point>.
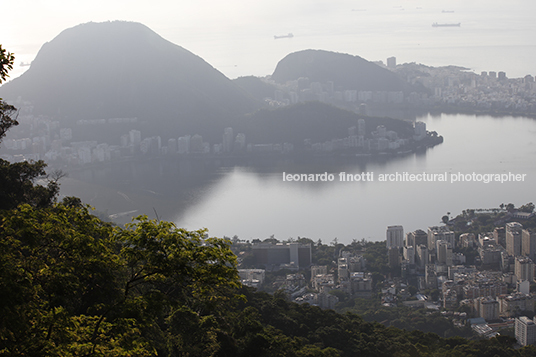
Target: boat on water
<point>288,35</point>
<point>435,24</point>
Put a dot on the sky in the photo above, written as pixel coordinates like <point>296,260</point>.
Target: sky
<point>236,36</point>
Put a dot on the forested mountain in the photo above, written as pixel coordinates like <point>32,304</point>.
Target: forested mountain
<point>311,120</point>
<point>344,70</point>
<point>124,70</point>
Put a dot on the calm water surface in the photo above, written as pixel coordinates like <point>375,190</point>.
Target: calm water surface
<point>256,203</point>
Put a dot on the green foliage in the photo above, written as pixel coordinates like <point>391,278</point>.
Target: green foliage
<point>6,63</point>
<point>6,120</point>
<point>376,255</point>
<point>17,180</point>
<point>18,185</point>
<point>58,266</point>
<point>407,318</point>
<point>71,284</point>
<point>529,207</point>
<point>181,263</point>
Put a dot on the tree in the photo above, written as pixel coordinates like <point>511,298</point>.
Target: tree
<point>58,271</point>
<point>529,207</point>
<point>6,63</point>
<point>6,110</point>
<point>17,181</point>
<point>71,284</point>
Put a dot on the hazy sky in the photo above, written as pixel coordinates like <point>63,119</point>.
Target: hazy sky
<point>236,36</point>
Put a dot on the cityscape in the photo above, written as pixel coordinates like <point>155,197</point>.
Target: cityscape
<point>54,143</point>
<point>449,87</point>
<point>363,159</point>
<point>482,280</point>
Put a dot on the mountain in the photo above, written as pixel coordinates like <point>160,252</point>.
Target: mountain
<point>124,69</point>
<point>344,70</point>
<point>256,87</point>
<point>316,121</point>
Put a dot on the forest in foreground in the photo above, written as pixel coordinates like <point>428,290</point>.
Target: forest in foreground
<point>73,285</point>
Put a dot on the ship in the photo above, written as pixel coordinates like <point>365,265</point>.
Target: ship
<point>435,24</point>
<point>289,35</point>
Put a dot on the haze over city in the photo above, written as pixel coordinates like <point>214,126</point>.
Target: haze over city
<point>237,37</point>
<point>327,178</point>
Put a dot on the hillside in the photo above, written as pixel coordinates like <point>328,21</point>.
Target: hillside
<point>344,70</point>
<point>122,70</point>
<point>312,120</point>
<point>256,87</point>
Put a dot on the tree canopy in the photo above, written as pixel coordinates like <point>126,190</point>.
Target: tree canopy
<point>73,285</point>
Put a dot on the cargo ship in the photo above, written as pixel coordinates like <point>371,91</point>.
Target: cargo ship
<point>435,24</point>
<point>289,35</point>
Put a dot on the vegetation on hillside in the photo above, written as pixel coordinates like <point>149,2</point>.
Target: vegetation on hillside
<point>73,285</point>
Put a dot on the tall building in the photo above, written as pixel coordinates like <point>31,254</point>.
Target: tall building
<point>528,243</point>
<point>196,144</point>
<point>416,238</point>
<point>393,255</point>
<point>513,238</point>
<point>524,269</point>
<point>172,146</point>
<point>228,140</point>
<point>277,254</point>
<point>444,253</point>
<point>318,270</point>
<point>525,330</point>
<point>395,237</point>
<point>487,308</point>
<point>391,62</point>
<point>512,305</point>
<point>342,269</point>
<point>409,254</point>
<point>134,138</point>
<point>419,130</point>
<point>422,255</point>
<point>240,142</point>
<point>183,144</point>
<point>361,128</point>
<point>440,233</point>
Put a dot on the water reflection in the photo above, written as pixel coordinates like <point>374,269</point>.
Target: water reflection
<point>248,197</point>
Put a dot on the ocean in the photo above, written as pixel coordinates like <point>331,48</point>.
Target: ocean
<point>237,36</point>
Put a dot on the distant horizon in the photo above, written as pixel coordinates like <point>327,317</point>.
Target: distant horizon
<point>237,38</point>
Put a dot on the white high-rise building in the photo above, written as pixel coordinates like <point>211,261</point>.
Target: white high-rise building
<point>409,254</point>
<point>395,237</point>
<point>135,137</point>
<point>228,140</point>
<point>183,144</point>
<point>419,130</point>
<point>422,255</point>
<point>240,142</point>
<point>513,238</point>
<point>444,252</point>
<point>524,269</point>
<point>440,233</point>
<point>525,330</point>
<point>528,243</point>
<point>361,127</point>
<point>172,146</point>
